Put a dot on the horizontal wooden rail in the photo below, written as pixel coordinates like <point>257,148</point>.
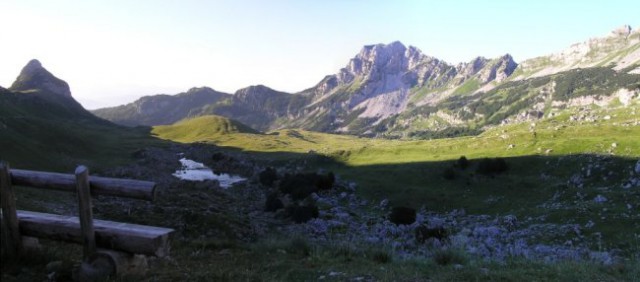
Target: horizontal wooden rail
<point>132,238</point>
<point>136,189</point>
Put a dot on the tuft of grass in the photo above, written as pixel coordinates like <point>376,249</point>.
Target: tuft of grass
<point>381,256</point>
<point>448,256</point>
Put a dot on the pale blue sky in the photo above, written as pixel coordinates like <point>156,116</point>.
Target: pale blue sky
<point>113,52</point>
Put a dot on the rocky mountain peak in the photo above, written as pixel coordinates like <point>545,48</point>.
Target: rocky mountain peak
<point>504,67</point>
<point>487,70</point>
<point>35,77</point>
<point>257,93</point>
<point>200,89</point>
<point>388,57</point>
<point>467,70</point>
<point>32,65</point>
<point>254,90</point>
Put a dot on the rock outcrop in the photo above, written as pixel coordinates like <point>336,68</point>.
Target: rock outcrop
<point>33,76</point>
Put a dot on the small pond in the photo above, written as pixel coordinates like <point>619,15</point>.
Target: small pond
<point>195,171</point>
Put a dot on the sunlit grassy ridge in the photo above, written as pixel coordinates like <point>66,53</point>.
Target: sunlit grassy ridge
<point>541,157</point>
<point>201,128</point>
<point>558,136</point>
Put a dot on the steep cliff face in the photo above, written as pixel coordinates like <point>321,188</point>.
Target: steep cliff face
<point>382,81</point>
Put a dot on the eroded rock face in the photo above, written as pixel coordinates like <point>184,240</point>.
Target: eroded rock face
<point>35,77</point>
<point>381,79</point>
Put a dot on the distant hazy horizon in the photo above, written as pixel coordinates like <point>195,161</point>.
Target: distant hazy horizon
<point>113,52</point>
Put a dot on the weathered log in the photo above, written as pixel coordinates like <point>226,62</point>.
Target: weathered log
<point>85,212</point>
<point>131,238</point>
<point>11,241</point>
<point>128,188</point>
<point>119,262</point>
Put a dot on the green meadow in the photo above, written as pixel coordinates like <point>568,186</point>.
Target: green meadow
<point>541,159</point>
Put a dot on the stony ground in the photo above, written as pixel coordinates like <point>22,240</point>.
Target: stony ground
<point>345,217</point>
<point>205,211</point>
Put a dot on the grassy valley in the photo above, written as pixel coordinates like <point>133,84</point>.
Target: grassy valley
<point>542,157</point>
<point>486,171</point>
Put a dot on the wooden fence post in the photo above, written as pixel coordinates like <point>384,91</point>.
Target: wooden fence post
<point>85,212</point>
<point>11,239</point>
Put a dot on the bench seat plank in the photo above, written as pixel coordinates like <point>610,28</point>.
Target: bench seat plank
<point>132,238</point>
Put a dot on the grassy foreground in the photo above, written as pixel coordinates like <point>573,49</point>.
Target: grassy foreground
<point>407,172</point>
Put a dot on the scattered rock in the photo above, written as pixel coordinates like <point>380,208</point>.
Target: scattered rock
<point>385,202</point>
<point>600,199</point>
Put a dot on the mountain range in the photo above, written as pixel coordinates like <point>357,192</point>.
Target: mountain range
<point>393,90</point>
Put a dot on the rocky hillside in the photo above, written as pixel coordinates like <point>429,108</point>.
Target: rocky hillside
<point>397,91</point>
<point>619,50</point>
<point>36,83</point>
<point>41,121</point>
<point>163,109</point>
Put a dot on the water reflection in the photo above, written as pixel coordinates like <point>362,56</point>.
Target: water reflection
<point>195,171</point>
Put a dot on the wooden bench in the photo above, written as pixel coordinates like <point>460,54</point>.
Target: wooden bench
<point>104,242</point>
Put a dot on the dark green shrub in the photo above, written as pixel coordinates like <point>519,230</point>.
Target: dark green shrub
<point>492,166</point>
<point>302,214</point>
<point>268,176</point>
<point>402,215</point>
<point>273,203</point>
<point>299,245</point>
<point>449,256</point>
<point>381,256</point>
<point>301,185</point>
<point>424,233</point>
<point>325,182</point>
<point>449,173</point>
<point>462,163</point>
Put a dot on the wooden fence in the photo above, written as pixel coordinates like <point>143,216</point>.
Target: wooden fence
<point>103,241</point>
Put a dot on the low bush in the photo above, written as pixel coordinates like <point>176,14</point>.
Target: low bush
<point>449,173</point>
<point>301,185</point>
<point>462,163</point>
<point>268,176</point>
<point>492,166</point>
<point>449,256</point>
<point>402,215</point>
<point>273,203</point>
<point>302,214</point>
<point>423,233</point>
